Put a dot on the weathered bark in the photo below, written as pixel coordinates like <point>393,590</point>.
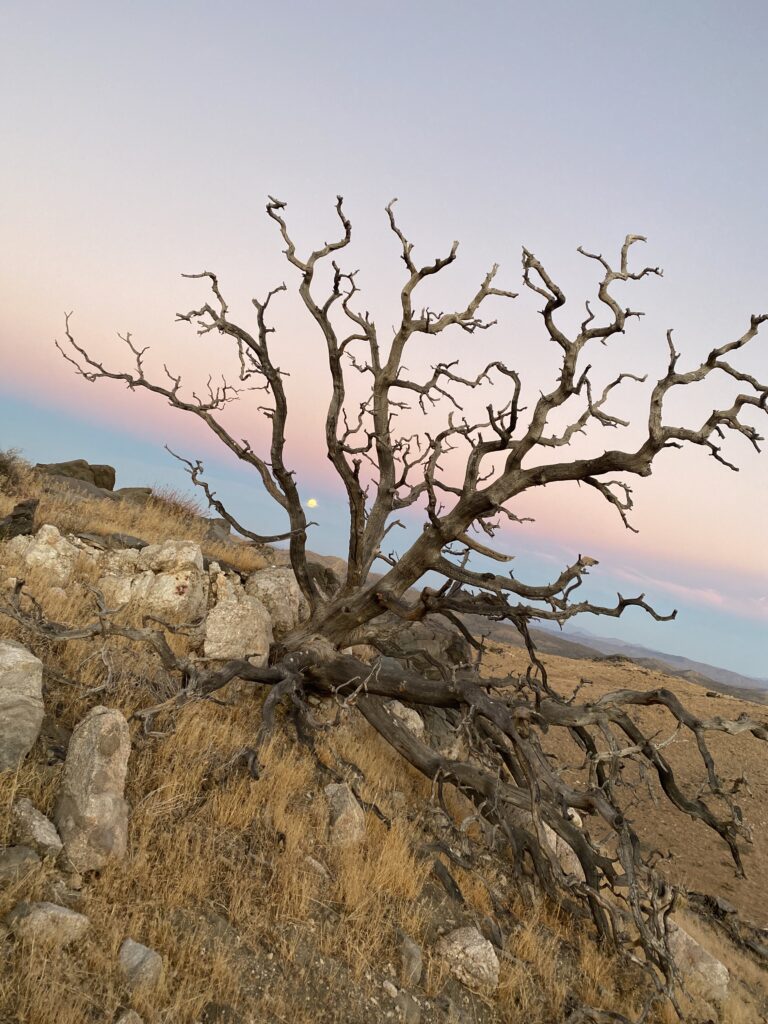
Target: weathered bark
<point>383,472</point>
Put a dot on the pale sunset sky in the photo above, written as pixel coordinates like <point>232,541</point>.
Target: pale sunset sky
<point>140,141</point>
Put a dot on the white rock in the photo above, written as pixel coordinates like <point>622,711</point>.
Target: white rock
<point>121,562</point>
<point>238,626</point>
<point>703,973</point>
<point>142,967</point>
<point>182,594</point>
<point>411,719</point>
<point>171,556</point>
<point>47,924</point>
<point>278,591</point>
<point>31,828</point>
<point>49,551</point>
<point>21,702</point>
<point>91,813</point>
<point>390,989</point>
<point>471,958</point>
<point>346,818</point>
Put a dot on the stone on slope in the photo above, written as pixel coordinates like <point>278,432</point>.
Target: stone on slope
<point>470,958</point>
<point>141,966</point>
<point>30,827</point>
<point>411,964</point>
<point>129,1017</point>
<point>21,702</point>
<point>80,489</point>
<point>278,591</point>
<point>78,469</point>
<point>238,625</point>
<point>47,924</point>
<point>50,553</point>
<point>408,717</point>
<point>346,818</point>
<point>15,862</point>
<point>137,495</point>
<point>20,521</point>
<point>91,812</point>
<point>171,556</point>
<point>166,580</point>
<point>703,973</point>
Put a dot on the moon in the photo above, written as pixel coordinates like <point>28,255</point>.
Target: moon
<point>312,503</point>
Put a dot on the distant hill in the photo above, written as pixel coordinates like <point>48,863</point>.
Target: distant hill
<point>570,643</point>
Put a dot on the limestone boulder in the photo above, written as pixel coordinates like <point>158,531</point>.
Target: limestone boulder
<point>91,813</point>
<point>21,702</point>
<point>171,556</point>
<point>166,580</point>
<point>278,591</point>
<point>48,551</point>
<point>47,924</point>
<point>471,958</point>
<point>238,625</point>
<point>346,818</point>
<point>705,975</point>
<point>30,827</point>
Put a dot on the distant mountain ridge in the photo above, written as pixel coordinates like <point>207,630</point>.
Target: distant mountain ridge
<point>721,679</point>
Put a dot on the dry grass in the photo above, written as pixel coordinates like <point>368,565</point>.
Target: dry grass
<point>167,515</point>
<point>217,877</point>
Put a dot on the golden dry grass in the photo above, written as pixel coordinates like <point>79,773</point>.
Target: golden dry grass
<point>167,515</point>
<point>217,877</point>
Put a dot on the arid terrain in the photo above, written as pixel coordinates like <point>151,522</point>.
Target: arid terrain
<point>258,913</point>
<point>693,855</point>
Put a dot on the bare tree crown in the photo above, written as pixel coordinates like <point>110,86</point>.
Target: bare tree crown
<point>384,470</point>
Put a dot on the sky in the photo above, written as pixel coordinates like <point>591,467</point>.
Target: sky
<point>140,142</point>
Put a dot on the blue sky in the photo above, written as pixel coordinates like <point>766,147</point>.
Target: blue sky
<point>141,140</point>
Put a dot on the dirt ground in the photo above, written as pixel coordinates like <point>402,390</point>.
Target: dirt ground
<point>694,856</point>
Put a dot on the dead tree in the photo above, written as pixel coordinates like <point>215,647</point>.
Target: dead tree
<point>384,470</point>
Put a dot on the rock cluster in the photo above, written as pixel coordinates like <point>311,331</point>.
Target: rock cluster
<point>21,703</point>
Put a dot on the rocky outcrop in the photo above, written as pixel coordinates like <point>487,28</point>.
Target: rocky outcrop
<point>166,580</point>
<point>346,818</point>
<point>20,522</point>
<point>91,812</point>
<point>47,924</point>
<point>470,958</point>
<point>21,702</point>
<point>141,966</point>
<point>50,552</point>
<point>705,975</point>
<point>78,469</point>
<point>238,625</point>
<point>278,591</point>
<point>30,827</point>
